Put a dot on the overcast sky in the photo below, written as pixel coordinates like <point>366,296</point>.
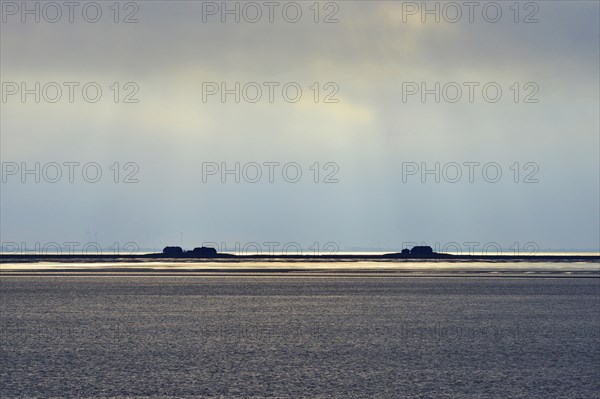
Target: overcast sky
<point>370,131</point>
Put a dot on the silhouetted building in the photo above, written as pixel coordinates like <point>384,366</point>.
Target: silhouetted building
<point>421,251</point>
<point>172,251</point>
<point>406,252</point>
<point>204,251</point>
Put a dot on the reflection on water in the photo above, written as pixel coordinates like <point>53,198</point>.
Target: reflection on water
<point>351,266</point>
<point>301,337</point>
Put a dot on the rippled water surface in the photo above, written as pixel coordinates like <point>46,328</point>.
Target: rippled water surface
<point>310,336</point>
<point>426,265</point>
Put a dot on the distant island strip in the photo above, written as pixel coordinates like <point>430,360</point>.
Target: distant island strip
<point>419,251</point>
<point>176,253</point>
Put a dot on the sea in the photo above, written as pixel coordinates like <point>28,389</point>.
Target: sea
<point>300,330</point>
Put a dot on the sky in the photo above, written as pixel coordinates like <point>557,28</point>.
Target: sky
<point>347,125</point>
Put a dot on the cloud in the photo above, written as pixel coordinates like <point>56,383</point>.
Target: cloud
<point>368,55</point>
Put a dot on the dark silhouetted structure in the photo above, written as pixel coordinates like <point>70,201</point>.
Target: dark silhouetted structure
<point>405,252</point>
<point>204,251</point>
<point>173,251</point>
<point>196,252</point>
<point>421,251</point>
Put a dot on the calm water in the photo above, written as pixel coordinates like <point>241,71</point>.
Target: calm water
<point>274,336</point>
